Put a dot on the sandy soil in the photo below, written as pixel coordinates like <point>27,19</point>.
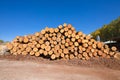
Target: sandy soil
<point>31,68</point>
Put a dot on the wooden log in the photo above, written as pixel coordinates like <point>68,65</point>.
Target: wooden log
<point>73,35</point>
<point>66,56</point>
<point>70,43</point>
<point>52,30</point>
<point>71,56</point>
<point>35,49</point>
<point>104,55</point>
<point>106,51</point>
<point>37,34</point>
<point>62,46</point>
<point>114,48</point>
<point>83,49</point>
<point>88,37</point>
<point>77,36</point>
<point>64,25</point>
<point>41,41</point>
<point>65,51</point>
<point>111,53</point>
<point>50,52</point>
<point>99,45</point>
<point>73,39</point>
<point>9,46</point>
<point>62,31</point>
<point>62,55</point>
<point>87,50</point>
<point>41,51</point>
<point>53,56</point>
<point>66,44</point>
<point>79,41</point>
<point>14,49</point>
<point>57,55</point>
<point>24,45</point>
<point>46,35</point>
<point>28,49</point>
<point>56,30</point>
<point>24,53</point>
<point>85,45</point>
<point>108,56</point>
<point>90,54</point>
<point>95,54</point>
<point>76,53</point>
<point>80,33</point>
<point>38,45</point>
<point>32,52</point>
<point>45,53</point>
<point>100,52</point>
<point>85,54</point>
<point>84,41</point>
<point>69,26</point>
<point>37,54</point>
<point>19,51</point>
<point>87,57</point>
<point>76,43</point>
<point>47,48</point>
<point>90,43</point>
<point>69,32</point>
<point>117,55</point>
<point>80,56</point>
<point>43,46</point>
<point>60,26</point>
<point>20,39</point>
<point>94,46</point>
<point>43,31</point>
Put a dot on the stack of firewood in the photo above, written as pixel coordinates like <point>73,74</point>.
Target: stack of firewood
<point>62,42</point>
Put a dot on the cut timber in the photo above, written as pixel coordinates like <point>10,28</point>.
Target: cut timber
<point>71,56</point>
<point>114,48</point>
<point>85,45</point>
<point>28,49</point>
<point>111,53</point>
<point>43,32</point>
<point>38,45</point>
<point>32,53</point>
<point>100,52</point>
<point>41,51</point>
<point>62,55</point>
<point>24,53</point>
<point>50,52</point>
<point>45,53</point>
<point>65,51</point>
<point>47,48</point>
<point>117,55</point>
<point>80,56</point>
<point>53,56</point>
<point>37,34</point>
<point>56,30</point>
<point>35,49</point>
<point>60,26</point>
<point>99,45</point>
<point>85,54</point>
<point>51,30</point>
<point>76,43</point>
<point>37,54</point>
<point>9,46</point>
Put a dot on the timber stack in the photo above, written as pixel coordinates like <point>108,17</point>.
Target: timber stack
<point>63,42</point>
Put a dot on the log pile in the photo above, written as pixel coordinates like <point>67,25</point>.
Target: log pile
<point>63,42</point>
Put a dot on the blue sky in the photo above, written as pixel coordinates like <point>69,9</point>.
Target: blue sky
<point>22,17</point>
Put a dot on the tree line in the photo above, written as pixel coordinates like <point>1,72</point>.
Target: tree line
<point>108,32</point>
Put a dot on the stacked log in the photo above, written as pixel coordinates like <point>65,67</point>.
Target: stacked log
<point>63,42</point>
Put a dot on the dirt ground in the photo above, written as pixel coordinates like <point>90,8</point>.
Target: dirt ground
<point>36,68</point>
